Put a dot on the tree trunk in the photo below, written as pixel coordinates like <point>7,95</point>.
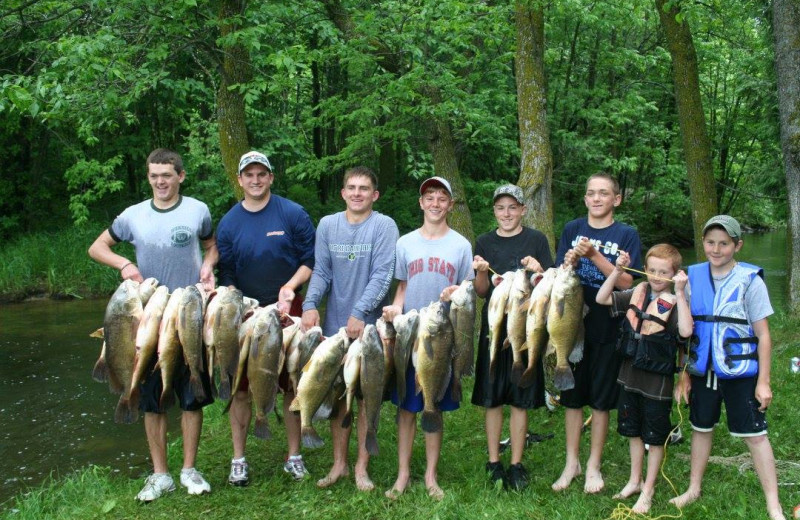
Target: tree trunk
<point>536,167</point>
<point>233,140</point>
<point>786,22</point>
<point>696,145</point>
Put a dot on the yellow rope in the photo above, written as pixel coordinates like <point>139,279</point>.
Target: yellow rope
<point>646,274</point>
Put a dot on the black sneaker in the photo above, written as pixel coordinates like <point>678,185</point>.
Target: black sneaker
<point>516,477</point>
<point>496,472</point>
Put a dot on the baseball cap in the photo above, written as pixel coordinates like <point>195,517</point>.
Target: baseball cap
<point>434,182</point>
<point>254,157</point>
<point>728,223</point>
<point>515,192</point>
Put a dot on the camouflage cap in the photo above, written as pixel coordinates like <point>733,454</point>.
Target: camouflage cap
<point>254,157</point>
<point>515,192</point>
<point>726,222</point>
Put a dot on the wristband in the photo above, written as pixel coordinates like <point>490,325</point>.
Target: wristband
<point>124,266</point>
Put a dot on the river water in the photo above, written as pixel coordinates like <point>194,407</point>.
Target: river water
<point>56,418</point>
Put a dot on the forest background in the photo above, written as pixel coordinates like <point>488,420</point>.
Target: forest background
<point>679,100</point>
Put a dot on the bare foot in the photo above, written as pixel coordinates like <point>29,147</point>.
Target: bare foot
<point>594,482</point>
<point>776,514</point>
<point>685,499</point>
<point>569,473</point>
<point>630,489</point>
<point>364,483</point>
<point>642,506</point>
<point>435,492</point>
<point>398,489</point>
<point>332,477</point>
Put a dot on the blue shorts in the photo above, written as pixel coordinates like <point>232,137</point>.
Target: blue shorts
<point>414,401</point>
<point>741,406</point>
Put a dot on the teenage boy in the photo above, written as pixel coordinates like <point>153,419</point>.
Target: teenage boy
<point>592,245</point>
<point>166,232</point>
<point>507,248</point>
<point>656,321</point>
<point>729,360</point>
<point>354,262</point>
<point>266,249</point>
<point>431,263</point>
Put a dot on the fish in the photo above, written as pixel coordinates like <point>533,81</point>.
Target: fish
<point>372,381</point>
<point>123,314</point>
<point>388,336</point>
<point>498,303</point>
<point>536,325</point>
<point>406,327</point>
<point>565,323</point>
<point>517,307</point>
<point>351,371</point>
<point>433,359</point>
<point>190,334</point>
<point>224,316</point>
<point>299,352</point>
<point>462,316</point>
<point>319,376</point>
<point>147,335</point>
<point>147,288</point>
<point>169,348</point>
<point>264,364</point>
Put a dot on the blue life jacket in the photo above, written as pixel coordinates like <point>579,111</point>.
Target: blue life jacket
<point>723,338</point>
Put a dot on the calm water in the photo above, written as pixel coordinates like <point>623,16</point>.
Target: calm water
<point>56,418</point>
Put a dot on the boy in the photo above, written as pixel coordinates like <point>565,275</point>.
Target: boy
<point>656,321</point>
<point>506,248</point>
<point>730,360</point>
<point>592,245</point>
<point>431,263</point>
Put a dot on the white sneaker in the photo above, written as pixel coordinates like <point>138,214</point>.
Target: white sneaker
<point>239,475</point>
<point>295,467</point>
<point>155,486</point>
<point>194,482</point>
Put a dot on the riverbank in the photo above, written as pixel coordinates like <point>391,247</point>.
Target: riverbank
<point>100,493</point>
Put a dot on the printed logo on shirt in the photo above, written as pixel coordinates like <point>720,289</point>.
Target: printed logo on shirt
<point>350,251</point>
<point>608,249</point>
<point>589,274</point>
<point>276,233</point>
<point>433,265</point>
<point>181,236</point>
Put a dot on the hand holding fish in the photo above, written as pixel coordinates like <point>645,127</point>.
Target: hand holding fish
<point>391,311</point>
<point>571,257</point>
<point>585,248</point>
<point>446,292</point>
<point>531,264</point>
<point>354,327</point>
<point>207,277</point>
<point>131,272</point>
<point>309,319</point>
<point>285,298</point>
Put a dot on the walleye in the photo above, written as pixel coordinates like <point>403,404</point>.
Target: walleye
<point>169,348</point>
<point>123,313</point>
<point>462,316</point>
<point>299,352</point>
<point>264,365</point>
<point>189,322</point>
<point>372,380</point>
<point>406,326</point>
<point>498,304</point>
<point>388,336</point>
<point>223,318</point>
<point>147,335</point>
<point>433,359</point>
<point>351,371</point>
<point>518,301</point>
<point>319,375</point>
<point>565,322</point>
<point>536,325</point>
<point>146,289</point>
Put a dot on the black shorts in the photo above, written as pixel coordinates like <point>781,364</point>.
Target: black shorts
<point>741,406</point>
<point>501,391</point>
<point>595,378</point>
<point>152,387</point>
<point>640,416</point>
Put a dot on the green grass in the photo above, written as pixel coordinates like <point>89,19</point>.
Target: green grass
<point>57,265</point>
<point>99,493</point>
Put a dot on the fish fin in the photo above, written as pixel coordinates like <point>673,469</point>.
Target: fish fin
<point>167,399</point>
<point>323,412</point>
<point>311,438</point>
<point>431,421</point>
<point>371,443</point>
<point>294,406</point>
<point>197,387</point>
<point>100,371</point>
<point>516,372</point>
<point>563,378</point>
<point>527,378</point>
<point>417,386</point>
<point>524,306</point>
<point>550,348</point>
<point>307,366</point>
<point>427,344</point>
<point>125,413</point>
<point>456,392</point>
<point>560,305</point>
<point>506,344</point>
<point>261,429</point>
<point>577,352</point>
<point>347,420</point>
<point>446,379</point>
<point>99,333</point>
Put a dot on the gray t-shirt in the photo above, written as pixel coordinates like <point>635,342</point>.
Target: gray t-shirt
<point>167,242</point>
<point>429,266</point>
<point>353,264</point>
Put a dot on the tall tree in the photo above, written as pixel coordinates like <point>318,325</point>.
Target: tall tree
<point>786,25</point>
<point>536,165</point>
<point>696,145</point>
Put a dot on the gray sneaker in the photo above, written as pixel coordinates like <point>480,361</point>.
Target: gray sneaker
<point>194,482</point>
<point>239,476</point>
<point>155,486</point>
<point>295,467</point>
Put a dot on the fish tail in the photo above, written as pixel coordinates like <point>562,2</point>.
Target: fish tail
<point>563,379</point>
<point>167,399</point>
<point>455,392</point>
<point>100,371</point>
<point>347,420</point>
<point>371,442</point>
<point>431,421</point>
<point>311,438</point>
<point>527,378</point>
<point>261,429</point>
<point>197,387</point>
<point>125,413</point>
<point>294,406</point>
<point>134,397</point>
<point>224,387</point>
<point>516,372</point>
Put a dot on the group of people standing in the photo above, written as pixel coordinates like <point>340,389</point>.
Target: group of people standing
<point>267,246</point>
